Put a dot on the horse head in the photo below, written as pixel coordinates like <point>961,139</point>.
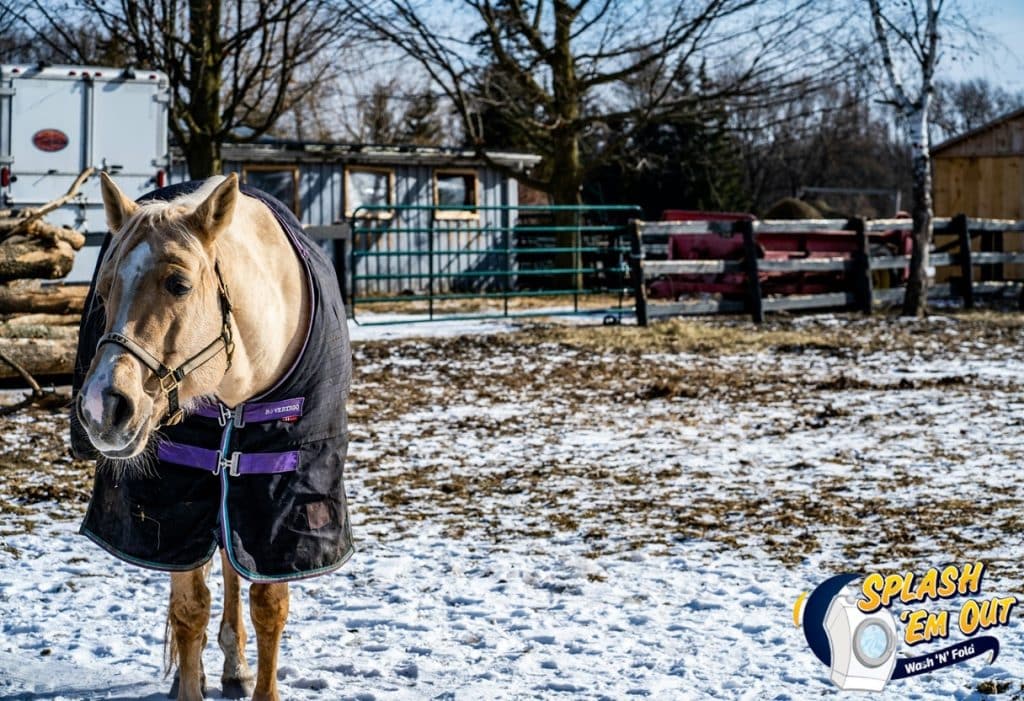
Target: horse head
<point>168,334</point>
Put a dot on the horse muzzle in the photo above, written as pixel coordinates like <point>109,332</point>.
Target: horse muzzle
<point>117,421</point>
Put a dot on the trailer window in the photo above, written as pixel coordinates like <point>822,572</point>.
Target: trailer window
<point>281,182</point>
<point>456,194</point>
<point>369,187</point>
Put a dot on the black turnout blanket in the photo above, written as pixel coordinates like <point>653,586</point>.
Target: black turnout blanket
<point>264,480</point>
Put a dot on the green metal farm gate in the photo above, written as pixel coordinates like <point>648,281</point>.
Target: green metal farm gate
<point>412,263</point>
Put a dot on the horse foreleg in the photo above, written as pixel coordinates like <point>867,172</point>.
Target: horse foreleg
<point>189,613</point>
<point>268,605</point>
<point>238,681</point>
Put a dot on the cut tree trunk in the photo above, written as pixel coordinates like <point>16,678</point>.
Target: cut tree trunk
<point>40,357</point>
<point>27,259</point>
<point>37,299</point>
<point>22,330</point>
<point>42,320</point>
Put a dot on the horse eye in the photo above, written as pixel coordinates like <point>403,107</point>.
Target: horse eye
<point>177,286</point>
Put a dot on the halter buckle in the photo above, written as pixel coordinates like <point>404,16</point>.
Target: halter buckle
<point>168,382</point>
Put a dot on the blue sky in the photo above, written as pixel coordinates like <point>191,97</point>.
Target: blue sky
<point>1002,60</point>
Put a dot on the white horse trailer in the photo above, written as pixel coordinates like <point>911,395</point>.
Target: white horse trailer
<point>56,121</point>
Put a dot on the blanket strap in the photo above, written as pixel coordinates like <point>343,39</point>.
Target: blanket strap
<point>234,464</point>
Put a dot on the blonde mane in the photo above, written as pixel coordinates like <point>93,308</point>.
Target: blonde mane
<point>166,216</point>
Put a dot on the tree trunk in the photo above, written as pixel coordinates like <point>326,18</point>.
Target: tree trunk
<point>52,299</point>
<point>47,320</point>
<point>916,299</point>
<point>30,259</point>
<point>39,357</point>
<point>203,157</point>
<point>565,190</point>
<point>202,152</point>
<point>21,329</point>
<point>566,170</point>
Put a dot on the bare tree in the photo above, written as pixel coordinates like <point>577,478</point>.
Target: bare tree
<point>78,35</point>
<point>554,72</point>
<point>959,107</point>
<point>392,113</point>
<point>234,68</point>
<point>907,35</point>
<point>837,138</point>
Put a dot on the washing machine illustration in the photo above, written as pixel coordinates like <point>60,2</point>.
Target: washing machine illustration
<point>863,645</point>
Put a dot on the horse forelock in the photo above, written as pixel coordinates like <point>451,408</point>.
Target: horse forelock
<point>161,221</point>
<point>157,231</point>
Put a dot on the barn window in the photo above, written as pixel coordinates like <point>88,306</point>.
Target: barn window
<point>369,187</point>
<point>280,181</point>
<point>456,194</point>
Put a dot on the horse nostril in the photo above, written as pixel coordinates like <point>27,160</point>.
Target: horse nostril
<point>117,407</point>
<point>83,416</point>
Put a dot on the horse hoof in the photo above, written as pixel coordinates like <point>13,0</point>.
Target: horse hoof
<point>237,688</point>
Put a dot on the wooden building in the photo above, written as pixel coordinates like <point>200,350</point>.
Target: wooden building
<point>981,174</point>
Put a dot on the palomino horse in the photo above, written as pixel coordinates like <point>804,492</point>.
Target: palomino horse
<point>218,368</point>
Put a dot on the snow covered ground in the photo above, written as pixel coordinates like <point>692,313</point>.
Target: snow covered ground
<point>552,512</point>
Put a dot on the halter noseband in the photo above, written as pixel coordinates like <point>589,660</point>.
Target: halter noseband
<point>170,379</point>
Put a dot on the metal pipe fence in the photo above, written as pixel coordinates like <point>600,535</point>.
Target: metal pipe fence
<point>428,263</point>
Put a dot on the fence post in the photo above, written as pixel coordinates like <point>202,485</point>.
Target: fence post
<point>963,232</point>
<point>987,270</point>
<point>755,303</point>
<point>636,270</point>
<point>860,273</point>
<point>351,266</point>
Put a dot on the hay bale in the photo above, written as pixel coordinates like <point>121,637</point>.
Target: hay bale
<point>828,211</point>
<point>791,208</point>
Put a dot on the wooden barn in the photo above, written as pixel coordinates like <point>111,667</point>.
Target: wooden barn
<point>981,174</point>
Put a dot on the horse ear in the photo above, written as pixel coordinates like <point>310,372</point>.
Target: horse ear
<point>117,205</point>
<point>214,213</point>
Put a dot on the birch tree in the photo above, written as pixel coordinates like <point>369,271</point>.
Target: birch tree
<point>914,30</point>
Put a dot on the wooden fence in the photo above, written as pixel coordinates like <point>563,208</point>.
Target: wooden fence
<point>853,273</point>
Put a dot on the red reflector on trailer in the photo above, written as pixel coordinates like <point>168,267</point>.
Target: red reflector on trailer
<point>72,72</point>
<point>161,178</point>
<point>5,176</point>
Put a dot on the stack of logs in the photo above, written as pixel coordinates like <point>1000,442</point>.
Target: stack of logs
<point>38,322</point>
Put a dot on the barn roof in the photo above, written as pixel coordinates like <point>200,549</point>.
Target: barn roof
<point>967,135</point>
